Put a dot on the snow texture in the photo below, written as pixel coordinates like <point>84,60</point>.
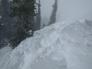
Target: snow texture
<point>63,45</point>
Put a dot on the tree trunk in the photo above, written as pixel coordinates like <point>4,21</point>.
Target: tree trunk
<point>54,11</point>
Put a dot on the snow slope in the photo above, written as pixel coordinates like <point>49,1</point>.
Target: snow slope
<point>4,54</point>
<point>77,45</point>
<point>59,46</point>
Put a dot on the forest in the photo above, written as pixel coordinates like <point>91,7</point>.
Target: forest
<point>18,18</point>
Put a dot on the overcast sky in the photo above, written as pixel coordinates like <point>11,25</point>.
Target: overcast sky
<point>68,9</point>
<point>75,9</point>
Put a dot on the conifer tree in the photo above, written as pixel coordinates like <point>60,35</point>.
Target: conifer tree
<point>24,11</point>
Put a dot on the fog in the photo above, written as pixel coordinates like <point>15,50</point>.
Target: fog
<point>69,10</point>
<point>46,9</point>
<point>75,9</point>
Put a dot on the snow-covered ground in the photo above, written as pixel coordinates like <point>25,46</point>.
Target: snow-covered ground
<point>63,45</point>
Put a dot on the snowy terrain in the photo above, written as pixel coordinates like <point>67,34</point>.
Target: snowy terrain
<point>62,45</point>
<point>66,44</point>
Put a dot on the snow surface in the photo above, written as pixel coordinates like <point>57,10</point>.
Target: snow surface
<point>4,54</point>
<point>63,45</point>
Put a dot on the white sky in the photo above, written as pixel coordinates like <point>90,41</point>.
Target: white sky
<point>74,9</point>
<point>67,9</point>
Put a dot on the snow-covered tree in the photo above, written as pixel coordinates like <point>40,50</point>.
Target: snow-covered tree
<point>24,11</point>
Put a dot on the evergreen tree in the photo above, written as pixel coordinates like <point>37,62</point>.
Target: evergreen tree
<point>24,11</point>
<point>4,21</point>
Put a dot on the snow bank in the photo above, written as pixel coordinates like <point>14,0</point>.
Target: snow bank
<point>4,54</point>
<point>51,46</point>
<point>77,45</point>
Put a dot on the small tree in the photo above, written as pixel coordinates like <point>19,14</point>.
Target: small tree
<point>4,21</point>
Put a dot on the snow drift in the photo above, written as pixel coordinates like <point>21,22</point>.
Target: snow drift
<point>62,45</point>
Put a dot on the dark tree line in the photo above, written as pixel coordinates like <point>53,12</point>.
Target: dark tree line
<point>18,20</point>
<point>4,22</point>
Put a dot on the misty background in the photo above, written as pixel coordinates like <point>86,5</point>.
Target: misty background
<point>67,10</point>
